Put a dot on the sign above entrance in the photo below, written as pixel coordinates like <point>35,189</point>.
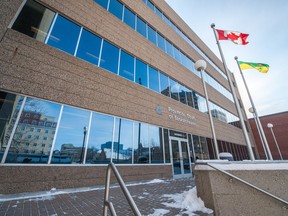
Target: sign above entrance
<point>180,116</point>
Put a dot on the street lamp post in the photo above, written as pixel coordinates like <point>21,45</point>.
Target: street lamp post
<point>84,138</point>
<point>200,66</point>
<point>269,125</point>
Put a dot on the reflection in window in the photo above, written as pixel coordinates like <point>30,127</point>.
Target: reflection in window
<point>103,3</point>
<point>164,85</point>
<point>153,79</point>
<point>109,57</point>
<point>156,147</point>
<point>22,149</point>
<point>204,148</point>
<point>169,49</point>
<point>129,18</point>
<point>34,20</point>
<point>100,140</point>
<point>197,147</point>
<point>152,35</point>
<point>89,47</point>
<point>141,73</point>
<point>70,142</point>
<point>64,35</point>
<point>141,146</point>
<point>123,139</point>
<point>116,8</point>
<point>190,95</point>
<point>141,27</point>
<point>166,146</point>
<point>161,42</point>
<point>126,66</point>
<point>182,94</point>
<point>175,88</point>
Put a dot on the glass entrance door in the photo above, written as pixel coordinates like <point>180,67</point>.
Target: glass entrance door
<point>180,156</point>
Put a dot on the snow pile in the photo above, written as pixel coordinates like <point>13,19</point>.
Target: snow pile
<point>187,201</point>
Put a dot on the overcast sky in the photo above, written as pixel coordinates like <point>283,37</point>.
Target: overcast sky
<point>266,22</point>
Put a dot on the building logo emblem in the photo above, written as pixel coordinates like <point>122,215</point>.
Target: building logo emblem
<point>159,110</point>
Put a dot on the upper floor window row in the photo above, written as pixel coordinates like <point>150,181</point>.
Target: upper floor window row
<point>143,28</point>
<point>67,36</point>
<point>178,31</point>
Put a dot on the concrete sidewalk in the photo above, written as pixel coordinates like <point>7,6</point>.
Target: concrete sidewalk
<point>148,197</point>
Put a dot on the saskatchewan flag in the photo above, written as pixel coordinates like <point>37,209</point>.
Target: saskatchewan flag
<point>263,68</point>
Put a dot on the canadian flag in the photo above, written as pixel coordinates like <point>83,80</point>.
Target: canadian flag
<point>236,37</point>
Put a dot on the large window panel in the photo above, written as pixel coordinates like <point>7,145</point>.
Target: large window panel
<point>109,57</point>
<point>100,140</point>
<point>141,73</point>
<point>141,27</point>
<point>116,8</point>
<point>129,18</point>
<point>150,4</point>
<point>123,139</point>
<point>182,94</point>
<point>164,85</point>
<point>34,135</point>
<point>141,146</point>
<point>126,66</point>
<point>153,79</point>
<point>72,135</point>
<point>152,35</point>
<point>161,42</point>
<point>156,146</point>
<point>190,95</point>
<point>89,47</point>
<point>103,3</point>
<point>166,145</point>
<point>34,20</point>
<point>177,54</point>
<point>175,88</point>
<point>64,35</point>
<point>169,49</point>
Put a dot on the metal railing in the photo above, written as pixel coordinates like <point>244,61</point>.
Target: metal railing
<point>249,184</point>
<point>109,204</point>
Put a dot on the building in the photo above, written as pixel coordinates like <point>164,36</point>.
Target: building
<point>107,71</point>
<point>280,125</point>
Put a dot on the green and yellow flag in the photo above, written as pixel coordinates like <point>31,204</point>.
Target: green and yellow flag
<point>263,68</point>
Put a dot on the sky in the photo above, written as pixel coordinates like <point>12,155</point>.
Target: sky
<point>266,22</point>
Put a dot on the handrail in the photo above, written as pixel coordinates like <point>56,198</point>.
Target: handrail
<point>249,184</point>
<point>128,196</point>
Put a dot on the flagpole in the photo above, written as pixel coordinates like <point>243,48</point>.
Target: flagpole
<point>255,113</point>
<point>250,151</point>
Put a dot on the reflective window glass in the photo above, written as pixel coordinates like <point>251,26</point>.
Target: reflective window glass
<point>205,152</point>
<point>156,147</point>
<point>126,66</point>
<point>103,3</point>
<point>23,149</point>
<point>89,47</point>
<point>109,57</point>
<point>152,35</point>
<point>164,85</point>
<point>167,146</point>
<point>64,35</point>
<point>202,104</point>
<point>141,73</point>
<point>197,147</point>
<point>129,18</point>
<point>190,95</point>
<point>123,139</point>
<point>153,79</point>
<point>175,88</point>
<point>150,4</point>
<point>100,139</point>
<point>158,12</point>
<point>177,54</point>
<point>169,49</point>
<point>116,8</point>
<point>72,136</point>
<point>161,42</point>
<point>182,94</point>
<point>141,27</point>
<point>34,20</point>
<point>141,146</point>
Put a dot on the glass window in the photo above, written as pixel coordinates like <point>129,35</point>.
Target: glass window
<point>64,35</point>
<point>141,27</point>
<point>123,139</point>
<point>70,142</point>
<point>177,54</point>
<point>158,12</point>
<point>129,18</point>
<point>167,146</point>
<point>34,20</point>
<point>19,151</point>
<point>152,35</point>
<point>190,95</point>
<point>141,73</point>
<point>202,104</point>
<point>169,49</point>
<point>175,88</point>
<point>153,79</point>
<point>164,85</point>
<point>103,3</point>
<point>150,4</point>
<point>205,152</point>
<point>161,42</point>
<point>156,147</point>
<point>141,147</point>
<point>182,94</point>
<point>109,57</point>
<point>116,8</point>
<point>126,66</point>
<point>100,140</point>
<point>89,47</point>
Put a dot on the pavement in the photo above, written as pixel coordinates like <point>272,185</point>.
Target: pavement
<point>150,197</point>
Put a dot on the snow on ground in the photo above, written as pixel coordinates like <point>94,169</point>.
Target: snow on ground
<point>159,212</point>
